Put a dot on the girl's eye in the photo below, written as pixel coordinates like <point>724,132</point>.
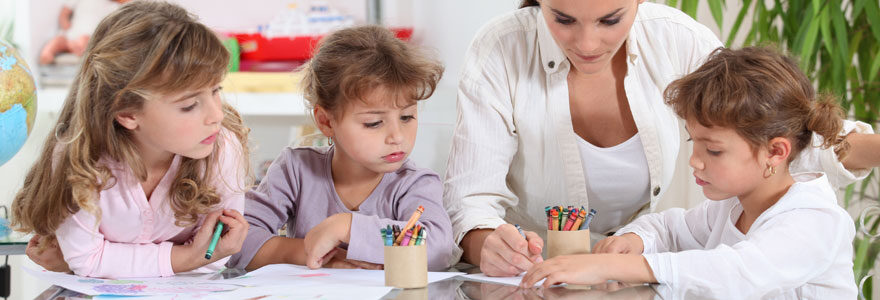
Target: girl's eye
<point>191,107</point>
<point>407,118</point>
<point>610,22</point>
<point>564,21</point>
<point>372,125</point>
<point>217,90</point>
<point>690,139</point>
<point>713,153</point>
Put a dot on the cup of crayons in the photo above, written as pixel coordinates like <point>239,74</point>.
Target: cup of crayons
<point>406,256</point>
<point>568,230</point>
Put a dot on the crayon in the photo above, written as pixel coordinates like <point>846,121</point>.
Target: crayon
<point>580,219</point>
<point>406,238</point>
<point>570,221</point>
<point>586,224</point>
<point>553,223</point>
<point>423,236</point>
<point>396,233</point>
<point>214,239</point>
<point>409,224</point>
<point>523,234</point>
<point>416,233</point>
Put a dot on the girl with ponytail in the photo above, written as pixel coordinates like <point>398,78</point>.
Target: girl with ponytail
<point>764,233</point>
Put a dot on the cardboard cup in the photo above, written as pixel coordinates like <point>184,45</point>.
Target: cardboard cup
<point>412,294</point>
<point>406,266</point>
<point>567,242</point>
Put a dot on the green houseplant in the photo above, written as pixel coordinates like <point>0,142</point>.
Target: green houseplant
<point>838,45</point>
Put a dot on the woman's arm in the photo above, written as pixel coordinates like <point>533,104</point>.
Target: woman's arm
<point>863,151</point>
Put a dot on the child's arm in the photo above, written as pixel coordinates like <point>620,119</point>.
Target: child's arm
<point>672,230</point>
<point>361,232</point>
<point>267,208</point>
<point>789,250</point>
<point>590,269</point>
<point>425,190</point>
<point>87,253</point>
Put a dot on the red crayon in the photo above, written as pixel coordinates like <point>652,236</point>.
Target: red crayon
<point>571,218</point>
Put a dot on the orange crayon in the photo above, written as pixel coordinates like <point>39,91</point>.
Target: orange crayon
<point>409,225</point>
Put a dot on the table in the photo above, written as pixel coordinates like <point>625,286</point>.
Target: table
<point>457,288</point>
<point>13,244</point>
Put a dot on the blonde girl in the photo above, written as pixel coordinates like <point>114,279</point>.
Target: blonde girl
<point>145,157</point>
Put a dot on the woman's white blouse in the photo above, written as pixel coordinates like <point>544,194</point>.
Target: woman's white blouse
<point>514,150</point>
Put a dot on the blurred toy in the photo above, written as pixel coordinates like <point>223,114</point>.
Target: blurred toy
<point>77,20</point>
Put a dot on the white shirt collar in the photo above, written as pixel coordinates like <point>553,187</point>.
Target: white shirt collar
<point>552,56</point>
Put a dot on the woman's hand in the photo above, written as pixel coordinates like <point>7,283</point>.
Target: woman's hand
<point>322,239</point>
<point>505,252</point>
<point>629,243</point>
<point>47,254</point>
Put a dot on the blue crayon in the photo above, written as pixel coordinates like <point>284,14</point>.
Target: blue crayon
<point>386,235</point>
<point>586,223</point>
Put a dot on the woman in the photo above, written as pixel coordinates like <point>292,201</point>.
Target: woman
<point>560,103</point>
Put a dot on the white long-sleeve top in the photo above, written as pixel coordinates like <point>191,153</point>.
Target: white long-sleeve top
<point>514,150</point>
<point>799,248</point>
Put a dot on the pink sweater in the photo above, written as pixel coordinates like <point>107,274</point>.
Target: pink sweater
<point>135,234</point>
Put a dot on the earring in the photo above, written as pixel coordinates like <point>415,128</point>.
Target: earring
<point>330,141</point>
<point>771,170</point>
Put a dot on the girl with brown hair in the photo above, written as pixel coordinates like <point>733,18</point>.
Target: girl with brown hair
<point>764,232</point>
<point>145,158</point>
<point>363,86</point>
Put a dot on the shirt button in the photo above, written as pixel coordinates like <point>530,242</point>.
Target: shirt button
<point>656,190</point>
<point>551,64</point>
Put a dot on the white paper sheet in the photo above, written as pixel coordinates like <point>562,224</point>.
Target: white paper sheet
<point>287,292</point>
<point>287,280</point>
<point>515,280</point>
<point>197,283</point>
<point>280,273</point>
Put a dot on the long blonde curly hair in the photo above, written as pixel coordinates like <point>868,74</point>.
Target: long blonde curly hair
<point>143,47</point>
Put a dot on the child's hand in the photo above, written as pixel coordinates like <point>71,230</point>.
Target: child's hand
<point>338,261</point>
<point>573,269</point>
<point>47,254</point>
<point>323,238</point>
<point>629,243</point>
<point>235,227</point>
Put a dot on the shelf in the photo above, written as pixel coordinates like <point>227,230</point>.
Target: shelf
<point>287,104</point>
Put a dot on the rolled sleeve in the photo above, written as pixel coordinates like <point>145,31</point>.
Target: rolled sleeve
<point>826,160</point>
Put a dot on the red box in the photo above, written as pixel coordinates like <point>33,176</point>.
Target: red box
<point>254,46</point>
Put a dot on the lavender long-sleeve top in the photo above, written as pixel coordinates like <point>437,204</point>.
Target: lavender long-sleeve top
<point>298,190</point>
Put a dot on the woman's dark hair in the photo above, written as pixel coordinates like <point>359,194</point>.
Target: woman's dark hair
<point>527,3</point>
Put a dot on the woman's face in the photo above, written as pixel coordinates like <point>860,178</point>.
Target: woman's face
<point>589,31</point>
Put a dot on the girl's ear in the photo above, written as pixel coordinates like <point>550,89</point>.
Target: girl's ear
<point>779,149</point>
<point>127,119</point>
<point>325,121</point>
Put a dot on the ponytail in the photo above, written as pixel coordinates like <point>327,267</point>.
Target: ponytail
<point>826,119</point>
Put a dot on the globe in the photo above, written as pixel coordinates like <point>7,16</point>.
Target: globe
<point>18,101</point>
